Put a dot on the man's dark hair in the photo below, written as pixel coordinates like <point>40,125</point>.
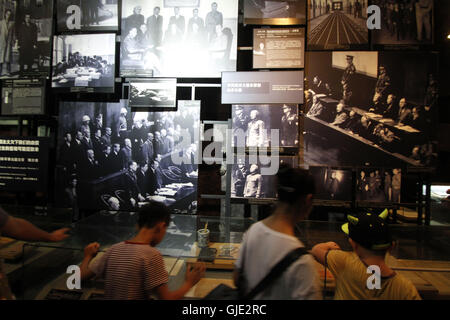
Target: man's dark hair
<point>294,184</point>
<point>153,213</point>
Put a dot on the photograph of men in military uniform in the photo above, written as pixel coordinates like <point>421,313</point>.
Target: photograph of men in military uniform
<point>256,122</point>
<point>405,22</point>
<point>250,178</point>
<point>379,185</point>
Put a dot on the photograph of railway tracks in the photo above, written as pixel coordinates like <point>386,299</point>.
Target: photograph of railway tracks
<point>334,25</point>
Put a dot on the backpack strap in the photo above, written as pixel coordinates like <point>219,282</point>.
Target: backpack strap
<point>276,271</point>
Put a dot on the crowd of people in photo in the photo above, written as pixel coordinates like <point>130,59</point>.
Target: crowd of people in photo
<point>136,150</point>
<point>146,41</point>
<point>388,110</point>
<point>77,60</point>
<point>407,19</point>
<point>377,187</point>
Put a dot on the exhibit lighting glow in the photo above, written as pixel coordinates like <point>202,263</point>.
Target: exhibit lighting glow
<point>448,36</point>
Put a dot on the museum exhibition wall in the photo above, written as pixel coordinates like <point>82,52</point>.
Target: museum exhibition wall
<point>109,104</point>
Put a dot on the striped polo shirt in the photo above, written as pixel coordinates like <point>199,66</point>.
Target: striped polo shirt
<point>131,271</point>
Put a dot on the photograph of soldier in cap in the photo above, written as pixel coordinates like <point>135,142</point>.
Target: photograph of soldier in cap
<point>405,22</point>
<point>249,180</point>
<point>252,125</point>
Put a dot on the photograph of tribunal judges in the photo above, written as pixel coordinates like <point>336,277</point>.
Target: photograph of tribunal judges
<point>404,22</point>
<point>275,12</point>
<point>110,158</point>
<point>332,184</point>
<point>252,125</point>
<point>154,32</point>
<point>88,15</point>
<point>379,185</point>
<point>371,107</point>
<point>337,24</point>
<point>249,181</point>
<point>86,60</point>
<point>25,38</point>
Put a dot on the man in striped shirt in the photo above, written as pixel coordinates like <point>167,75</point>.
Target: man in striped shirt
<point>134,269</point>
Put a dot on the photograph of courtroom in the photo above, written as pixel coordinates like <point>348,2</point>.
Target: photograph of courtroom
<point>146,154</point>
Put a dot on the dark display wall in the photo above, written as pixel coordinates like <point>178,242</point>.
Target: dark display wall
<point>408,62</point>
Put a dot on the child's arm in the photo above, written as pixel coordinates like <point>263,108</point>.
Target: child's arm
<point>90,251</point>
<point>193,275</point>
<point>319,251</point>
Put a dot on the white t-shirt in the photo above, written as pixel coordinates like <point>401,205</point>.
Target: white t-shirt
<point>264,248</point>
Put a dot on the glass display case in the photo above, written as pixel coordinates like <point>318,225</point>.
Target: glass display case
<point>39,270</point>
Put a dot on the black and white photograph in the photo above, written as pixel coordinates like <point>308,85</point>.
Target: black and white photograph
<point>114,159</point>
<point>252,125</point>
<point>86,60</point>
<point>370,108</point>
<point>165,40</point>
<point>160,93</point>
<point>275,12</point>
<point>334,25</point>
<point>87,15</point>
<point>405,22</point>
<point>25,38</point>
<point>332,184</point>
<point>379,185</point>
<point>250,180</point>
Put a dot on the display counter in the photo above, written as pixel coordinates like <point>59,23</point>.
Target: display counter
<point>421,254</point>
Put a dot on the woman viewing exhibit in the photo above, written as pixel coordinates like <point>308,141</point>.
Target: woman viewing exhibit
<point>268,241</point>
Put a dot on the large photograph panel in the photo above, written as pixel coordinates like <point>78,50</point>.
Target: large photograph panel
<point>26,29</point>
<point>171,41</point>
<point>357,116</point>
<point>111,158</point>
<point>87,15</point>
